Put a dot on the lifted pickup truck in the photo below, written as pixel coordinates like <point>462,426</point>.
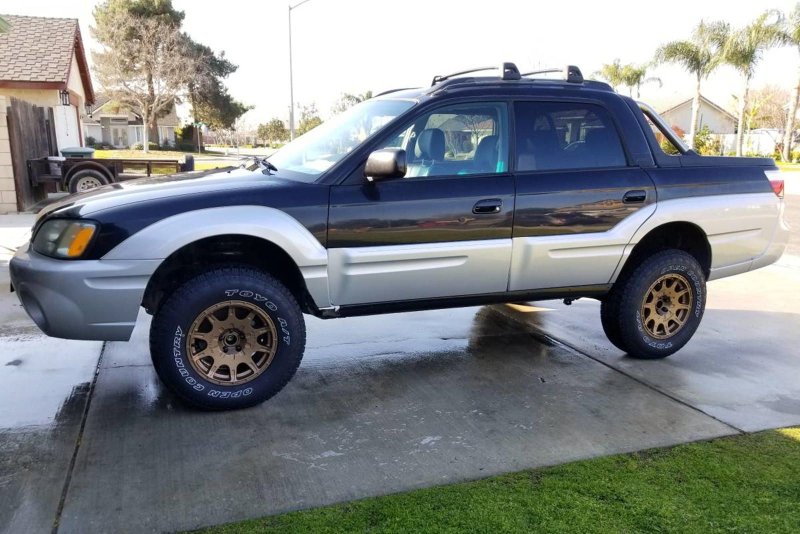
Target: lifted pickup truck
<point>478,189</point>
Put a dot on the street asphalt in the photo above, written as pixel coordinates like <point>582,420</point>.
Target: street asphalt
<point>91,441</point>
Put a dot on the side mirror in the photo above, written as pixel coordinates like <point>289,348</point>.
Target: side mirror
<point>386,163</point>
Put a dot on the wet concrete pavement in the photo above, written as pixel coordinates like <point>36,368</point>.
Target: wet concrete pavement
<point>390,403</point>
<point>44,387</point>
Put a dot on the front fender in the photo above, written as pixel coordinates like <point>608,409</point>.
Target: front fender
<point>159,240</point>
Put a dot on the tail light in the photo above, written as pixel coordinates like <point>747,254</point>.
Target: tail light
<point>776,181</point>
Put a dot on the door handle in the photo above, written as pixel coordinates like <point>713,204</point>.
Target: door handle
<point>635,196</point>
<point>487,206</point>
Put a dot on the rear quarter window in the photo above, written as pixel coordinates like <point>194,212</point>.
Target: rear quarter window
<point>562,135</point>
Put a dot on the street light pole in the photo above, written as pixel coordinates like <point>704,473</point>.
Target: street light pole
<point>291,73</point>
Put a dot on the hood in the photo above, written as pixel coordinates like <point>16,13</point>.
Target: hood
<point>159,187</point>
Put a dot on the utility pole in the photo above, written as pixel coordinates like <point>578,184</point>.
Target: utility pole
<point>291,73</point>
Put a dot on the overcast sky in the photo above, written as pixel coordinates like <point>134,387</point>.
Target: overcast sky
<point>359,45</point>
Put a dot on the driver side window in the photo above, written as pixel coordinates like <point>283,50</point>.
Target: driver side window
<point>455,140</point>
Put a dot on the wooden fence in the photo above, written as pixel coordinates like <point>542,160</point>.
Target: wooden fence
<point>31,135</point>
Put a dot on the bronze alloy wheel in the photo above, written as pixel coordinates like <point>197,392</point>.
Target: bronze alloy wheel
<point>232,342</point>
<point>666,306</point>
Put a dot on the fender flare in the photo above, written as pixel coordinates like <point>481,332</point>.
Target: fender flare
<point>159,240</point>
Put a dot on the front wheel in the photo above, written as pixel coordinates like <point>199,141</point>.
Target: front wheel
<point>229,338</point>
<point>661,304</point>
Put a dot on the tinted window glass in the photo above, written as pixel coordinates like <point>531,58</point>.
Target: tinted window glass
<point>456,140</point>
<point>554,136</point>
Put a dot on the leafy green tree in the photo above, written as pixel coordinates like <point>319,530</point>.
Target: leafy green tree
<point>791,36</point>
<point>211,103</point>
<point>309,119</point>
<point>273,131</point>
<point>142,61</point>
<point>347,100</point>
<point>744,49</point>
<point>700,55</point>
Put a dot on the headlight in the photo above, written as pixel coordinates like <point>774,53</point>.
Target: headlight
<point>64,238</point>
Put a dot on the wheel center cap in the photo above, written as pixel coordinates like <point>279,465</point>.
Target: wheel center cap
<point>231,341</point>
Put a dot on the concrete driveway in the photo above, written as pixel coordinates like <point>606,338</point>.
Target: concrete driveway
<point>379,405</point>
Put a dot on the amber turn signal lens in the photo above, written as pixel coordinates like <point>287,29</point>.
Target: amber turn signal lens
<point>80,241</point>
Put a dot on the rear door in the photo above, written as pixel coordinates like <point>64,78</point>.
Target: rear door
<point>579,199</point>
<point>444,230</point>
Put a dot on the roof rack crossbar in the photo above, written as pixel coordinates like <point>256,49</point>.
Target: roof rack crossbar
<point>437,79</point>
<point>572,74</point>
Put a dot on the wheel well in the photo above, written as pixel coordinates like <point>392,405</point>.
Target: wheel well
<point>198,256</point>
<point>680,235</point>
<point>88,165</point>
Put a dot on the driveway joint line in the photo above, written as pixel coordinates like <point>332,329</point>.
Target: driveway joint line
<point>537,333</point>
<point>84,416</point>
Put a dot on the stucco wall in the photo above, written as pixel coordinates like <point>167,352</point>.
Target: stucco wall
<point>716,121</point>
<point>8,195</point>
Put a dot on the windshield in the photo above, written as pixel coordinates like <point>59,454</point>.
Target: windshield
<point>313,153</point>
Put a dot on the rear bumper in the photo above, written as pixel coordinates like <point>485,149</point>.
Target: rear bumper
<point>780,239</point>
<point>93,299</point>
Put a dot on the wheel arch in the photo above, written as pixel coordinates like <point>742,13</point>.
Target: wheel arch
<point>226,249</point>
<point>681,235</point>
<point>88,165</point>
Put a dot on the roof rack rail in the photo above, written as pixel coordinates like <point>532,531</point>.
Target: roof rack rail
<point>390,91</point>
<point>572,74</point>
<point>508,69</point>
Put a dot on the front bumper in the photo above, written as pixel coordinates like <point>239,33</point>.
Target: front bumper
<point>83,299</point>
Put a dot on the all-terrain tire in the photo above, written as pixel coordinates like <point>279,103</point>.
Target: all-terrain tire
<point>251,306</point>
<point>609,318</point>
<point>661,304</point>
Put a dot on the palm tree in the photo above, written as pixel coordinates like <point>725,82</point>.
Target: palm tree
<point>699,55</point>
<point>612,73</point>
<point>744,49</point>
<point>635,77</point>
<point>791,36</point>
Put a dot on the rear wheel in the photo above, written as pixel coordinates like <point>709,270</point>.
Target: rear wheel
<point>661,304</point>
<point>229,338</point>
<point>85,180</point>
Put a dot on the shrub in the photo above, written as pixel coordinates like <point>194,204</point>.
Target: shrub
<point>706,143</point>
<point>151,145</point>
<point>90,141</point>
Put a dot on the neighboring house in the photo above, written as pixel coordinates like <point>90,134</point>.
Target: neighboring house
<point>717,118</point>
<point>42,61</point>
<point>112,124</point>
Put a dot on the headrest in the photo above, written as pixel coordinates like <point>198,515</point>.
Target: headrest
<point>487,150</point>
<point>431,144</point>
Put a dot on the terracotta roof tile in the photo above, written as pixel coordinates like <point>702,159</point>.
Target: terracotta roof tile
<point>37,49</point>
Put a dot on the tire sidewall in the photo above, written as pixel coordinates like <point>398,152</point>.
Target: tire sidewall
<point>86,173</point>
<point>638,341</point>
<point>171,357</point>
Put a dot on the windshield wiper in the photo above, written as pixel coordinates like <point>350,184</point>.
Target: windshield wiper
<point>263,162</point>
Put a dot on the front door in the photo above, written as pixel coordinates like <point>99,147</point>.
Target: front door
<point>579,200</point>
<point>444,230</point>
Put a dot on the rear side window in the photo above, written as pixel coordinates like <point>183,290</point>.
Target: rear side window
<point>563,135</point>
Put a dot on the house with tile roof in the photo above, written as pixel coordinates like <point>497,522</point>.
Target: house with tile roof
<point>42,61</point>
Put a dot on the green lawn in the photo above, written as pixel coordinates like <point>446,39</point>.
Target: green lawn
<point>139,154</point>
<point>748,483</point>
<point>789,166</point>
